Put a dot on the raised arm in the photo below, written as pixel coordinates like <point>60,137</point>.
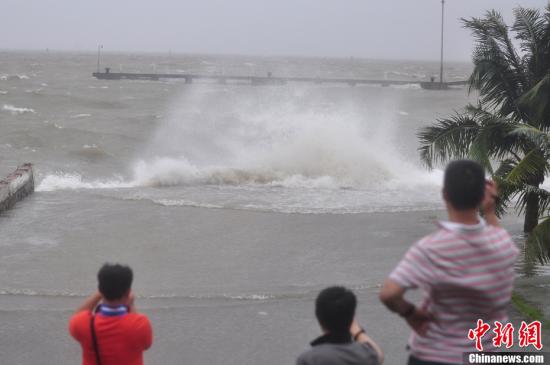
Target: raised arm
<point>489,203</point>
<point>360,336</point>
<point>90,303</point>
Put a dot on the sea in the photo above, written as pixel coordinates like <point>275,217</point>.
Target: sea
<point>233,203</point>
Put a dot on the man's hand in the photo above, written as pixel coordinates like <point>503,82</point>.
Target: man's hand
<point>488,205</point>
<point>392,296</point>
<point>419,321</point>
<point>130,303</point>
<point>91,302</point>
<point>359,335</point>
<point>355,328</point>
<point>489,200</point>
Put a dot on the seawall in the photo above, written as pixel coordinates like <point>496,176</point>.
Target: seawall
<point>16,186</point>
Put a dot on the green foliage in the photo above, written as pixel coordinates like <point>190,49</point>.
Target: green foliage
<point>533,135</point>
<point>510,125</point>
<point>534,314</point>
<point>538,242</point>
<point>537,100</point>
<point>498,73</point>
<point>528,168</point>
<point>449,138</point>
<point>475,133</point>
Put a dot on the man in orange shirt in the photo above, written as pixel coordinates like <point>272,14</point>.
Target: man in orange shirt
<point>111,333</point>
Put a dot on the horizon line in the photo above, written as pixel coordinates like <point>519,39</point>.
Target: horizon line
<point>231,54</point>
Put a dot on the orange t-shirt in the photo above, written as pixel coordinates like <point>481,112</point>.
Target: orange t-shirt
<point>121,339</point>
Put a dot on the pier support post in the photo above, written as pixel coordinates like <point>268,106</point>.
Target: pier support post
<point>16,186</point>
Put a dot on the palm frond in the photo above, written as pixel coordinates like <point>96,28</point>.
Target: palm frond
<point>498,73</point>
<point>495,134</point>
<point>537,246</point>
<point>505,167</point>
<point>505,190</point>
<point>498,86</point>
<point>527,190</point>
<point>536,102</point>
<point>531,166</point>
<point>544,46</point>
<point>481,145</point>
<point>529,27</point>
<point>493,30</point>
<point>521,179</point>
<point>546,39</point>
<point>499,142</point>
<point>533,135</point>
<point>449,138</point>
<point>479,150</point>
<point>481,114</point>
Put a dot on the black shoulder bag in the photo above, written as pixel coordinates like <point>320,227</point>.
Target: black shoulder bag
<point>94,340</point>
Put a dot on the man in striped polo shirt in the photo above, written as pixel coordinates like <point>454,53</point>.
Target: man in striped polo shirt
<point>465,270</point>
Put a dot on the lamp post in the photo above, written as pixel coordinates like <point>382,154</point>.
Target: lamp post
<point>98,53</point>
<point>441,65</point>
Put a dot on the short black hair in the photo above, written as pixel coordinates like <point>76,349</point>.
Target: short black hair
<point>114,280</point>
<point>335,309</point>
<point>464,184</point>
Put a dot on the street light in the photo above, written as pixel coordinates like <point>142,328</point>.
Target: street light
<point>441,65</point>
<point>98,52</point>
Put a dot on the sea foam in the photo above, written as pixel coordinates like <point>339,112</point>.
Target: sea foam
<point>277,154</point>
<point>15,110</point>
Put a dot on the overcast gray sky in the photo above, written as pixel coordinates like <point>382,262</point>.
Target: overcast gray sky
<point>387,29</point>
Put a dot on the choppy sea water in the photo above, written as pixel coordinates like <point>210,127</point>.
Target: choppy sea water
<point>294,148</point>
<point>234,203</point>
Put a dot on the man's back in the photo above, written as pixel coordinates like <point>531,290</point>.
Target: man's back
<point>466,273</point>
<point>121,338</point>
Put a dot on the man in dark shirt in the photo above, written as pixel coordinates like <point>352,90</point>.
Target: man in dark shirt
<point>343,340</point>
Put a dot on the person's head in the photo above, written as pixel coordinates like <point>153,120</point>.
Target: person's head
<point>335,309</point>
<point>464,185</point>
<point>114,281</point>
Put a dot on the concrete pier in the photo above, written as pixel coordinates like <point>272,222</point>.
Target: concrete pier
<point>269,79</point>
<point>16,186</point>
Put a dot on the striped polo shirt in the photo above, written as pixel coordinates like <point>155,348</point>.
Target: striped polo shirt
<point>466,273</point>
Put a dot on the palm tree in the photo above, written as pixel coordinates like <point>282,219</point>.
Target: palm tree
<point>508,127</point>
<point>515,182</point>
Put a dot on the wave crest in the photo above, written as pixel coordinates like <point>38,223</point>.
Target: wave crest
<point>74,181</point>
<point>15,110</point>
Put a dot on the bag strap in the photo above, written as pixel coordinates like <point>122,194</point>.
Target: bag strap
<point>94,340</point>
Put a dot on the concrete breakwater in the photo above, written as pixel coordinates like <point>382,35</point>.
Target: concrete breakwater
<point>269,79</point>
<point>16,186</point>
